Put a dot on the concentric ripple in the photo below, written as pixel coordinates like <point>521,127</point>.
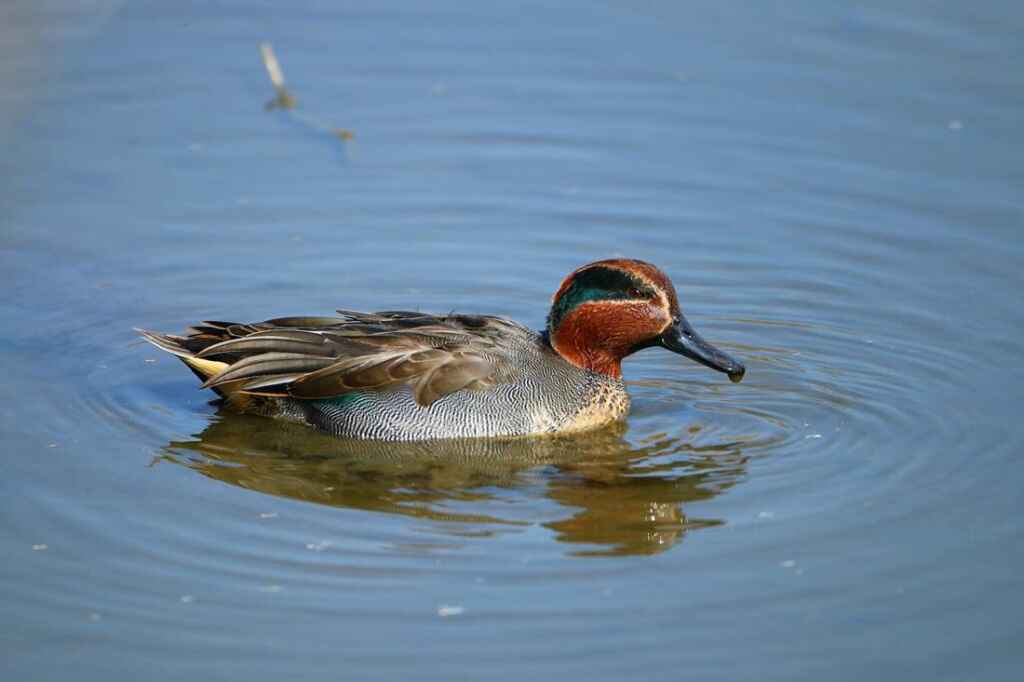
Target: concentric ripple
<point>834,188</point>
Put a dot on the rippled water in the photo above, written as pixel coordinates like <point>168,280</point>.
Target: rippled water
<point>835,190</point>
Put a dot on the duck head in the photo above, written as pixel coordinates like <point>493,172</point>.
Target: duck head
<point>609,309</point>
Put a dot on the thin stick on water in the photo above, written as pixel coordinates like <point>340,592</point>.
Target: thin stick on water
<point>285,99</point>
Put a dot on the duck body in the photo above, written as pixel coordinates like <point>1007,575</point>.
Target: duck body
<point>403,376</point>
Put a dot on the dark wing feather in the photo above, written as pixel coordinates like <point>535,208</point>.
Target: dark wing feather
<point>274,340</point>
<point>263,366</point>
<point>317,357</point>
<point>463,370</point>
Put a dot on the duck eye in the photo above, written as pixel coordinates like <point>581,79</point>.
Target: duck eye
<point>635,293</point>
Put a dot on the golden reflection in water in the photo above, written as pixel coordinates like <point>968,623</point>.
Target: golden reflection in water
<point>617,498</point>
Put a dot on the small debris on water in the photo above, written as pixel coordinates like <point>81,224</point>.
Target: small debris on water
<point>95,617</point>
<point>813,435</point>
<point>766,515</point>
<point>187,599</point>
<point>52,445</point>
<point>150,361</point>
<point>318,546</point>
<point>271,588</point>
<point>268,515</point>
<point>956,124</point>
<point>40,548</point>
<point>284,99</point>
<point>788,563</point>
<point>446,611</point>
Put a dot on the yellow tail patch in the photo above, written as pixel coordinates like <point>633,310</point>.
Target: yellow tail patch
<point>207,368</point>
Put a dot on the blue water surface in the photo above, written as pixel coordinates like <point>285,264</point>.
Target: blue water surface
<point>834,187</point>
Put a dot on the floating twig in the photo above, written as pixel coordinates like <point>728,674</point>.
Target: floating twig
<point>285,99</point>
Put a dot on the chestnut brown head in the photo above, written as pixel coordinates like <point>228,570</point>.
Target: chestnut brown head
<point>609,309</point>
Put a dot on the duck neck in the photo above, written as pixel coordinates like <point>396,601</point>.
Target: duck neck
<point>575,344</point>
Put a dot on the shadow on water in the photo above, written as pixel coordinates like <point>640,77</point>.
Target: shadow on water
<point>613,498</point>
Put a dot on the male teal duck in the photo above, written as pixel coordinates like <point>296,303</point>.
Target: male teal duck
<point>396,375</point>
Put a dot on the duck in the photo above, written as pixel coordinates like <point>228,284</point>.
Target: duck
<point>399,375</point>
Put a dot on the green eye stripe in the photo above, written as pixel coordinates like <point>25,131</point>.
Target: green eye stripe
<point>597,284</point>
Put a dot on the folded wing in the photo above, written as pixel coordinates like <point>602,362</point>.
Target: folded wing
<point>315,358</point>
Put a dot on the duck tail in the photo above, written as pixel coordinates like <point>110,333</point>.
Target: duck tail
<point>186,348</point>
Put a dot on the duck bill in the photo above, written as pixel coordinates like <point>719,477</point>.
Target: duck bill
<point>681,338</point>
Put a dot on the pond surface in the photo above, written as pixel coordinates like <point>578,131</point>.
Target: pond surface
<point>835,189</point>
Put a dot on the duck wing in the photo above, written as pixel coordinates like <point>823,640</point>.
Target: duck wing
<point>316,358</point>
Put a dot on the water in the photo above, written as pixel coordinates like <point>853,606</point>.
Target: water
<point>835,190</point>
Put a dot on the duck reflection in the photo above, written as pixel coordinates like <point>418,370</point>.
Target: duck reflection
<point>616,498</point>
